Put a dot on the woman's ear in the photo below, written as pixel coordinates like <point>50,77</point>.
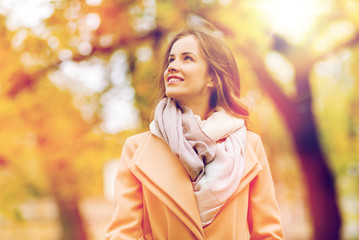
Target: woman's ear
<point>212,83</point>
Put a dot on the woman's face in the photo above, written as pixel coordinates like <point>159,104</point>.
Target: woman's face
<point>186,77</point>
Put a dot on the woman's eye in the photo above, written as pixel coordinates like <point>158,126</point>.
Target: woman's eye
<point>188,58</point>
<point>170,60</point>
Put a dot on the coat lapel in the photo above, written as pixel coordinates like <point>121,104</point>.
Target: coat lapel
<point>251,170</point>
<point>163,174</point>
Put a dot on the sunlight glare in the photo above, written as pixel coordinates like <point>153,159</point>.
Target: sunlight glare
<point>293,19</point>
<point>22,13</point>
<point>93,2</point>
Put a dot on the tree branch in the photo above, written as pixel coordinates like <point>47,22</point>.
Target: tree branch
<point>350,43</point>
<point>267,81</point>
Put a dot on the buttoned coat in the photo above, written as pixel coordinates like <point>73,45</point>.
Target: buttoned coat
<point>154,198</point>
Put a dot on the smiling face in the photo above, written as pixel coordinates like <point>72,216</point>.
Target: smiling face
<point>186,77</point>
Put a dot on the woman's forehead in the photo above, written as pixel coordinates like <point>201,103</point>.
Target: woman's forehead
<point>187,44</point>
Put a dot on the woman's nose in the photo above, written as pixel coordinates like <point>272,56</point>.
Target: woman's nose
<point>173,66</point>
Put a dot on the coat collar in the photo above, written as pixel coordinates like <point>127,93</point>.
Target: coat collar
<point>159,169</point>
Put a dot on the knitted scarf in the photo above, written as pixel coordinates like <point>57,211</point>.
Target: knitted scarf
<point>215,168</point>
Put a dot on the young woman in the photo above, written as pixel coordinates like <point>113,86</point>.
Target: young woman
<point>198,173</point>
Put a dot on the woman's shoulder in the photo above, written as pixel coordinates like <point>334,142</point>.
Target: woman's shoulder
<point>254,140</point>
<point>253,137</point>
<point>137,138</point>
<point>133,142</point>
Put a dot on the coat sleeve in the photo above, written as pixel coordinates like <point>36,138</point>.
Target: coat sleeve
<point>126,222</point>
<point>263,212</point>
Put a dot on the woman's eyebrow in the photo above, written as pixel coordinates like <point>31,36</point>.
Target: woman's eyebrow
<point>183,54</point>
<point>188,53</point>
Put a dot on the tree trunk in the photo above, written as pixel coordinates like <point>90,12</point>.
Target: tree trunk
<point>71,221</point>
<point>65,191</point>
<point>299,119</point>
<point>319,180</point>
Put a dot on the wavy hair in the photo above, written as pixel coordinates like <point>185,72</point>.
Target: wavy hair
<point>222,67</point>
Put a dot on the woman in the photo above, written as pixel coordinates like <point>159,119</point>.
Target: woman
<point>198,173</point>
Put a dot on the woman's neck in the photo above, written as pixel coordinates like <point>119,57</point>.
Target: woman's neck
<point>203,111</point>
<point>200,106</point>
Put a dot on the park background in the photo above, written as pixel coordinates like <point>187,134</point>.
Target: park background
<point>78,77</point>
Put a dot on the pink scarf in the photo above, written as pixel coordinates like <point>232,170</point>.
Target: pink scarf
<point>215,169</point>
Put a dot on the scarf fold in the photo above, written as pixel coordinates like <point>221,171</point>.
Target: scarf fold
<point>215,168</point>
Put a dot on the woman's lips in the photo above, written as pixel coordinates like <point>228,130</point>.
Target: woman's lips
<point>174,79</point>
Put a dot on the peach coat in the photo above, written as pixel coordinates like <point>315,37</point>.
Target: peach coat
<point>154,198</point>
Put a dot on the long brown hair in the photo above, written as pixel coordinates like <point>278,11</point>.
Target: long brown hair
<point>222,68</point>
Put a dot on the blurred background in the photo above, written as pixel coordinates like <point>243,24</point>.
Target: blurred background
<point>78,77</point>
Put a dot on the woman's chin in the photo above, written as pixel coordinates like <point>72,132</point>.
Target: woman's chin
<point>173,95</point>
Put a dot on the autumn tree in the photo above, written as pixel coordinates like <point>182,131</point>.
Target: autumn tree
<point>52,121</point>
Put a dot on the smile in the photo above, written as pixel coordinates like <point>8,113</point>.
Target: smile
<point>174,79</point>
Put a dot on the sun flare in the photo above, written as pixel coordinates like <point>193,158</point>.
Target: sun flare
<point>293,19</point>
